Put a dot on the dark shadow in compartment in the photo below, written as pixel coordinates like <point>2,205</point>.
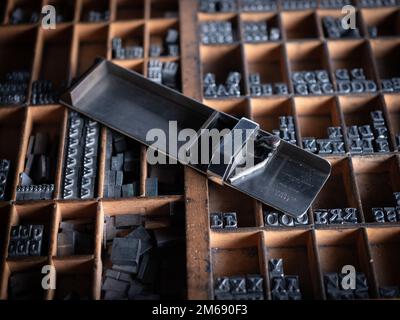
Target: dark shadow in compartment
<point>3,6</point>
<point>270,20</point>
<point>55,57</point>
<point>65,9</point>
<point>387,54</point>
<point>129,10</point>
<point>74,279</point>
<point>169,178</point>
<point>99,7</point>
<point>315,115</point>
<point>17,45</point>
<point>377,178</point>
<point>23,280</point>
<point>307,56</point>
<point>338,15</point>
<point>338,248</point>
<point>24,11</point>
<point>385,20</point>
<point>300,25</point>
<point>384,244</point>
<point>237,108</point>
<point>163,220</point>
<point>75,229</point>
<point>236,254</point>
<point>164,8</point>
<point>296,249</point>
<point>172,277</point>
<point>92,44</point>
<point>393,107</point>
<point>223,199</point>
<point>221,60</point>
<point>136,65</point>
<point>339,191</point>
<point>122,166</point>
<point>158,31</point>
<point>11,127</point>
<point>130,33</point>
<point>266,112</point>
<point>34,214</point>
<point>268,60</point>
<point>349,54</point>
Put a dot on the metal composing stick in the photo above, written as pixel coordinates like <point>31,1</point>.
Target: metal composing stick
<point>284,176</point>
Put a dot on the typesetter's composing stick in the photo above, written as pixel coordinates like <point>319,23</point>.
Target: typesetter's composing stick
<point>286,177</point>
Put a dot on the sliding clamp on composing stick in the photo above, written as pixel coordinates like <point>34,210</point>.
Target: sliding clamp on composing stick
<point>243,157</point>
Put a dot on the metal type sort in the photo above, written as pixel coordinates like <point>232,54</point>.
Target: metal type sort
<point>223,220</point>
<point>139,259</point>
<point>25,240</point>
<point>166,73</point>
<point>249,287</point>
<point>75,236</point>
<point>378,3</point>
<point>14,88</point>
<point>231,88</point>
<point>388,214</point>
<point>45,92</point>
<point>278,219</point>
<point>334,144</point>
<point>259,5</point>
<point>333,29</point>
<point>334,4</point>
<point>35,182</point>
<point>217,32</point>
<point>258,89</point>
<point>391,85</point>
<point>170,46</point>
<point>128,52</point>
<point>121,167</point>
<point>212,6</point>
<point>336,216</point>
<point>81,158</point>
<point>299,4</point>
<point>97,16</point>
<point>313,82</point>
<point>283,287</point>
<point>4,172</point>
<point>369,138</point>
<point>354,81</point>
<point>335,291</point>
<point>20,16</point>
<point>287,129</point>
<point>258,32</point>
<point>389,292</point>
